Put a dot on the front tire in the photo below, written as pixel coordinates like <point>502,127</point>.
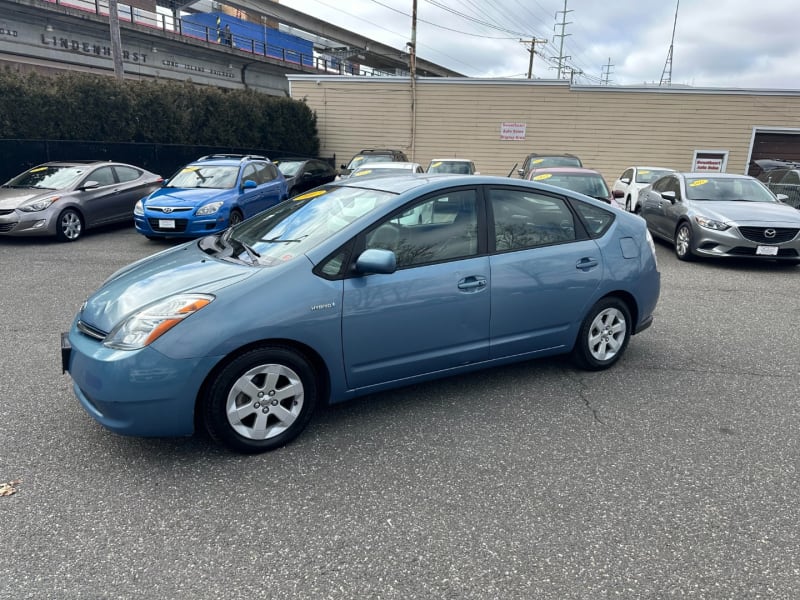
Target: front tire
<point>603,336</point>
<point>683,242</point>
<point>261,400</point>
<point>69,226</point>
<point>235,218</point>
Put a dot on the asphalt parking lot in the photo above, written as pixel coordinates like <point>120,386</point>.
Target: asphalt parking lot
<point>674,474</point>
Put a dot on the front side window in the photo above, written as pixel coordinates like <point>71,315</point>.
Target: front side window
<point>104,176</point>
<point>527,219</point>
<point>443,227</point>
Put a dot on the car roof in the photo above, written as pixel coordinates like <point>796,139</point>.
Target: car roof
<point>81,163</point>
<point>565,170</point>
<point>640,167</point>
<point>387,165</point>
<point>714,175</point>
<point>451,160</point>
<point>228,159</point>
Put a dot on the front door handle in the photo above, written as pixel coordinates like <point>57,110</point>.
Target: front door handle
<point>472,283</point>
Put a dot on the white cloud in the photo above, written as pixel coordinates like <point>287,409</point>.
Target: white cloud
<point>725,43</point>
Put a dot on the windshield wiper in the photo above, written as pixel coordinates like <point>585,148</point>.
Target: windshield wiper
<point>277,240</point>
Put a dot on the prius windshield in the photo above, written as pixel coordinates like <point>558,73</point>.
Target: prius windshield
<point>294,227</point>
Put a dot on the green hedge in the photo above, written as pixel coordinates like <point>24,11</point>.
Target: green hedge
<point>77,106</point>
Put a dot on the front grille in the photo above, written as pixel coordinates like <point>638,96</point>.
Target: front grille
<point>180,225</point>
<point>92,332</point>
<point>167,210</point>
<point>756,234</point>
<point>782,252</point>
<point>6,211</point>
<point>7,227</point>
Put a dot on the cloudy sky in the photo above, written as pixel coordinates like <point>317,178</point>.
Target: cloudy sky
<point>719,43</point>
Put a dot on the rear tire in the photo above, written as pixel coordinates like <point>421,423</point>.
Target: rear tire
<point>261,400</point>
<point>603,336</point>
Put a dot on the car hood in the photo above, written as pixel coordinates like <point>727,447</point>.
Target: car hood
<point>179,270</point>
<point>752,213</point>
<point>177,197</point>
<point>11,198</point>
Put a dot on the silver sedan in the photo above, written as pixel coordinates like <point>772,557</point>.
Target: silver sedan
<point>63,199</point>
<point>721,215</point>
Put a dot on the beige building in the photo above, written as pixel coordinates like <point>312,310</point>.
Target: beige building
<point>498,122</point>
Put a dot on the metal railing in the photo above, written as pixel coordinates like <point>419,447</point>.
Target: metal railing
<point>169,24</point>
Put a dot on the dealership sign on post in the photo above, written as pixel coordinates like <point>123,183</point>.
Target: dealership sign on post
<point>512,131</point>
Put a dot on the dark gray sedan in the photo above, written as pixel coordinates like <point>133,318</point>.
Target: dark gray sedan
<point>720,214</point>
<point>63,199</point>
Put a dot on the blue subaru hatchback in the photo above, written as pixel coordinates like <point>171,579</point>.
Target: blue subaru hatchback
<point>209,195</point>
<point>358,286</point>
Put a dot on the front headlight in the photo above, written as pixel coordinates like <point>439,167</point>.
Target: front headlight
<point>138,209</point>
<point>147,325</point>
<point>37,205</point>
<point>711,223</point>
<point>210,208</point>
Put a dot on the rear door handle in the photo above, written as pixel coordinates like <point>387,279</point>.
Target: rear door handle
<point>586,263</point>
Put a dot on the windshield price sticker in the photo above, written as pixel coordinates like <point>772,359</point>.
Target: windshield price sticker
<point>698,182</point>
<point>767,250</point>
<point>166,223</point>
<point>542,176</point>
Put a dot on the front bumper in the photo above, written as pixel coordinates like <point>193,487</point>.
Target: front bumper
<point>732,244</point>
<point>19,223</point>
<point>180,227</point>
<point>139,392</point>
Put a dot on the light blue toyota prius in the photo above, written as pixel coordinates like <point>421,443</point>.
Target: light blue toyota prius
<point>355,287</point>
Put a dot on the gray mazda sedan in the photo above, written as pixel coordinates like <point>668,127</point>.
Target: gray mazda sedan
<point>721,214</point>
<point>63,199</point>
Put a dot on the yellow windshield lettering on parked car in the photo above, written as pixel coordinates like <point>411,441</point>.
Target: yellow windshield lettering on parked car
<point>537,161</point>
<point>367,172</point>
<point>698,182</point>
<point>36,170</point>
<point>310,195</point>
<point>542,176</point>
<point>437,164</point>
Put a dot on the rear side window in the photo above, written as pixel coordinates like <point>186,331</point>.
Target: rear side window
<point>596,219</point>
<point>526,219</point>
<point>127,173</point>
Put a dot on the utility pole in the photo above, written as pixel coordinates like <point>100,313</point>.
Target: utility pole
<point>116,39</point>
<point>562,35</point>
<point>605,75</point>
<point>572,72</point>
<point>412,67</point>
<point>532,50</point>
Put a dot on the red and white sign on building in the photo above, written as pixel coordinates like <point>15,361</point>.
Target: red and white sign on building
<point>513,131</point>
<point>710,161</point>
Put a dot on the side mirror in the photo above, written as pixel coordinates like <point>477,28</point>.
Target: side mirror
<point>376,260</point>
<point>249,185</point>
<point>477,173</point>
<point>618,193</point>
<point>669,196</point>
<point>343,167</point>
<point>625,180</point>
<point>521,172</point>
<point>782,197</point>
<point>90,185</point>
